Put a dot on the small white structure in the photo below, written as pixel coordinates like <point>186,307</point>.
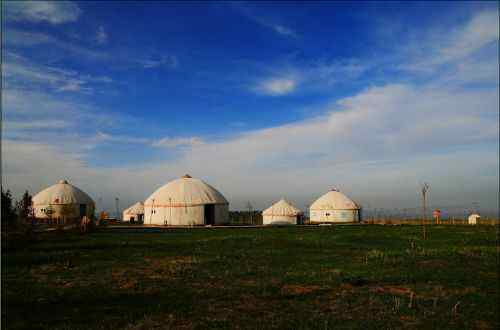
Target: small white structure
<point>334,207</point>
<point>281,213</point>
<point>62,202</point>
<point>473,218</point>
<point>186,202</point>
<point>134,213</point>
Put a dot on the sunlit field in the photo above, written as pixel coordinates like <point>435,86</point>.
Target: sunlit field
<point>351,276</point>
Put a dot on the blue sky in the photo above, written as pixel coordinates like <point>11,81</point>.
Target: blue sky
<point>261,99</point>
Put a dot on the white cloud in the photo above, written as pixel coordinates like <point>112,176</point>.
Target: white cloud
<point>283,30</point>
<point>102,36</point>
<point>54,12</point>
<point>367,144</point>
<point>276,86</point>
<point>177,142</point>
<point>318,75</point>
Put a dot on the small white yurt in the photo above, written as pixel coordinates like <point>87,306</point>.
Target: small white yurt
<point>186,202</point>
<point>281,213</point>
<point>134,213</point>
<point>62,202</point>
<point>334,207</point>
<point>473,218</point>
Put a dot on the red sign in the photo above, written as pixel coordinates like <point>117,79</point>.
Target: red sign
<point>436,213</point>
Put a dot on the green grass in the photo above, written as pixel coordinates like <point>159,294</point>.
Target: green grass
<point>300,277</point>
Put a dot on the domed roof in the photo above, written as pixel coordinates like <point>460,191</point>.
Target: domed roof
<point>282,207</point>
<point>334,200</point>
<point>137,208</point>
<point>186,191</point>
<point>62,193</point>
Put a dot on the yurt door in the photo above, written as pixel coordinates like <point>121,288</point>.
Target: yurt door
<point>83,210</point>
<point>209,214</point>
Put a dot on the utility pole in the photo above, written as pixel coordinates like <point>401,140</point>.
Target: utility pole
<point>250,208</point>
<point>117,201</point>
<point>425,188</point>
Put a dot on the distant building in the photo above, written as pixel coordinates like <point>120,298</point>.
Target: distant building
<point>61,203</point>
<point>334,207</point>
<point>472,220</point>
<point>185,202</point>
<point>134,213</point>
<point>281,213</point>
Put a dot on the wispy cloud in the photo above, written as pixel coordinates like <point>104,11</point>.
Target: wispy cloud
<point>480,31</point>
<point>283,30</point>
<point>303,77</point>
<point>447,47</point>
<point>18,38</point>
<point>276,86</point>
<point>101,36</point>
<point>165,60</point>
<point>178,142</point>
<point>38,124</point>
<point>20,72</point>
<point>54,12</point>
<point>101,137</point>
<point>266,22</point>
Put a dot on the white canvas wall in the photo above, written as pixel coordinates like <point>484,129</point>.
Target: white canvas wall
<point>73,211</point>
<point>183,216</point>
<point>279,220</point>
<point>334,216</point>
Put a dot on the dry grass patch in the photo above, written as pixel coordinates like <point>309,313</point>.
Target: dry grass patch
<point>295,290</point>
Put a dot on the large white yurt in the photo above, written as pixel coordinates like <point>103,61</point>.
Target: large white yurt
<point>281,213</point>
<point>134,213</point>
<point>186,202</point>
<point>334,207</point>
<point>473,218</point>
<point>62,202</point>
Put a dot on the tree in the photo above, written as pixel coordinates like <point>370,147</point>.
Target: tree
<point>8,212</point>
<point>25,207</point>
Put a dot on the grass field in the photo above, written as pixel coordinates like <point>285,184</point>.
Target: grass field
<point>364,276</point>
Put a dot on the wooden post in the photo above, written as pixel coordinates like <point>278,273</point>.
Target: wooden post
<point>425,188</point>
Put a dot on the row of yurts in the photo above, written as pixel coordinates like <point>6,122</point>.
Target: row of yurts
<point>190,201</point>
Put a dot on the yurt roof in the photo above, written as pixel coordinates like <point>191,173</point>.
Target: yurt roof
<point>282,207</point>
<point>186,191</point>
<point>62,193</point>
<point>137,208</point>
<point>334,200</point>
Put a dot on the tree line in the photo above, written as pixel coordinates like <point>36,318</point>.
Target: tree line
<point>15,212</point>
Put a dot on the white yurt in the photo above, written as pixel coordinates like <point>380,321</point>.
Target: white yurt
<point>134,213</point>
<point>334,207</point>
<point>281,213</point>
<point>473,218</point>
<point>186,202</point>
<point>62,202</point>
